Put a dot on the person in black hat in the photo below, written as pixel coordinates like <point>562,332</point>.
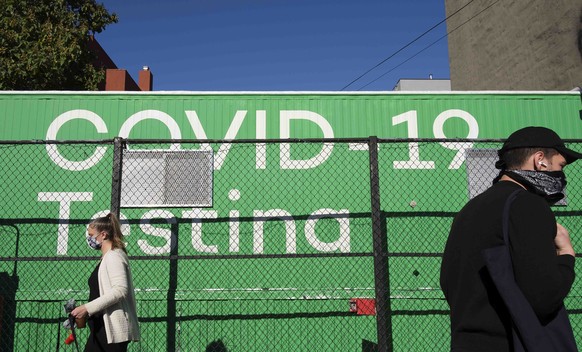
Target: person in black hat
<point>531,160</point>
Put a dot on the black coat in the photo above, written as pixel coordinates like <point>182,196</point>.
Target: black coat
<point>479,319</point>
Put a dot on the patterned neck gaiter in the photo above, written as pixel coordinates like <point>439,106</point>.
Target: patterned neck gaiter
<point>548,184</point>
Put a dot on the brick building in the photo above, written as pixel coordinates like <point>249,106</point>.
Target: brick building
<point>117,79</point>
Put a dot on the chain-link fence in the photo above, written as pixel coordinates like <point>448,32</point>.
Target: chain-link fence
<point>270,245</point>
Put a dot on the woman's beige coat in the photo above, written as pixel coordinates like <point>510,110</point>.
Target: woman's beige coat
<point>117,299</point>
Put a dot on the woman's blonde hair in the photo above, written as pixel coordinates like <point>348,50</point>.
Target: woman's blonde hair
<point>110,224</point>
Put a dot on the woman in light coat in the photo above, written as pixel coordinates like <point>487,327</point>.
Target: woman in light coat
<point>111,310</point>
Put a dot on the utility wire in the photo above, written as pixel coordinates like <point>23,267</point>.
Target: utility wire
<point>402,63</point>
<point>425,48</point>
<point>407,45</point>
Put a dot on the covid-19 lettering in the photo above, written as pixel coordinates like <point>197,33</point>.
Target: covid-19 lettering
<point>286,120</point>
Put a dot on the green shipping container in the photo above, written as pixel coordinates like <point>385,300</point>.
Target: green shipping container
<point>286,241</point>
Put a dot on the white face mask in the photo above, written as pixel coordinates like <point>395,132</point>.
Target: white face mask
<point>92,242</point>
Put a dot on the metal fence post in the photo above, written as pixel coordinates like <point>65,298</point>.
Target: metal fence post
<point>380,246</point>
<point>118,145</point>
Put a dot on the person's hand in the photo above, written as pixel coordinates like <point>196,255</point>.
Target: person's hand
<point>562,241</point>
<point>80,312</point>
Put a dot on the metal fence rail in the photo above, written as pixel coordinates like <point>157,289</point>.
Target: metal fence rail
<point>255,245</point>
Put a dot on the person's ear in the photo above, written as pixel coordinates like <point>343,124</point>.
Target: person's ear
<point>538,160</point>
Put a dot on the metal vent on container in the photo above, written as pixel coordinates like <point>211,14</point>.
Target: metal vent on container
<point>167,178</point>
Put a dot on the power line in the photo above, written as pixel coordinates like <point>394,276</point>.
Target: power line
<point>431,44</point>
<point>402,63</point>
<point>407,45</point>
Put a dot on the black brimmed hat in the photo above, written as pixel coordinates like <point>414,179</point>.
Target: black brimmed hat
<point>536,137</point>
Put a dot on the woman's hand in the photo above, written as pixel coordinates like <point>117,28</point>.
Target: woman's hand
<point>80,312</point>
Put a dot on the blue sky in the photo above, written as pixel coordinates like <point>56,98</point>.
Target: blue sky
<point>276,45</point>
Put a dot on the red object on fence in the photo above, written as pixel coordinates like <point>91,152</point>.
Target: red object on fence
<point>363,306</point>
<point>69,339</point>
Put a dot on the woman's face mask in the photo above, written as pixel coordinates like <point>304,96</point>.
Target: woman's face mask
<point>92,241</point>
